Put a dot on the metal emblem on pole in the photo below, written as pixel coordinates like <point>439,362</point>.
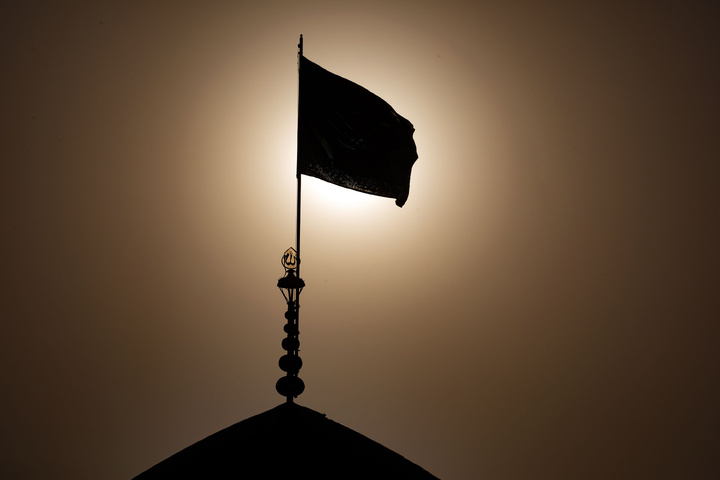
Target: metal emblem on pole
<point>290,258</point>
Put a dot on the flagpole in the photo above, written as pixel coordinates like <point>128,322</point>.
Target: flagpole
<point>297,224</point>
<point>297,164</point>
<point>290,386</point>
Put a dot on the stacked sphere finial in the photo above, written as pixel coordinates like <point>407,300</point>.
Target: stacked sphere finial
<point>290,386</point>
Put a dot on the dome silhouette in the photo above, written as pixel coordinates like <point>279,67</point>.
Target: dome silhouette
<point>288,440</point>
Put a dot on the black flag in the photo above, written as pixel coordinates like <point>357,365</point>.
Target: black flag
<point>349,136</point>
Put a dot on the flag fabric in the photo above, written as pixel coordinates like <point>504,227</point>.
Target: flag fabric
<point>350,137</point>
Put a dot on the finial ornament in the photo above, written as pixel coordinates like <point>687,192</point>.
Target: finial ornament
<point>290,386</point>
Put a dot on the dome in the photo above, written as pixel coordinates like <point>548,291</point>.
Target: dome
<point>288,440</point>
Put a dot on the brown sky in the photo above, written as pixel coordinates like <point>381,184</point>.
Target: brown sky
<point>544,306</point>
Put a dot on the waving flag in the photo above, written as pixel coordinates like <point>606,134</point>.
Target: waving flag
<point>350,137</point>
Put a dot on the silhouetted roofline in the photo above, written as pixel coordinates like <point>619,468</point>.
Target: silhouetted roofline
<point>287,440</point>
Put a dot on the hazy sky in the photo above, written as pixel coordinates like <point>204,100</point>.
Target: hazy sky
<point>545,306</point>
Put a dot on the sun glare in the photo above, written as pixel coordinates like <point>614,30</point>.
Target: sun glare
<point>334,197</point>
